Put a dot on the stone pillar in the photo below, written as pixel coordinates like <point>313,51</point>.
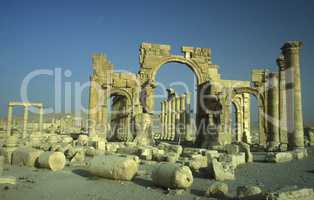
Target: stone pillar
<point>183,115</point>
<point>10,115</point>
<point>93,104</point>
<point>189,135</point>
<point>41,113</point>
<point>173,119</point>
<point>165,127</point>
<point>177,120</point>
<point>246,137</point>
<point>283,129</point>
<point>274,109</point>
<point>169,119</point>
<point>162,118</point>
<point>291,52</point>
<point>25,121</point>
<point>261,124</point>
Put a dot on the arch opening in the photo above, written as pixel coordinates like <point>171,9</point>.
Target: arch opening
<point>183,83</point>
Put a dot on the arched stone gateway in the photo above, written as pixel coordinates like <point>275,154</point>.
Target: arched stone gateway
<point>238,92</point>
<point>214,97</point>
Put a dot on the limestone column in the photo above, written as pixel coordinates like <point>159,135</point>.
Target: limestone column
<point>188,126</point>
<point>246,137</point>
<point>274,109</point>
<point>93,104</point>
<point>41,113</point>
<point>25,120</point>
<point>177,120</point>
<point>165,127</point>
<point>173,118</point>
<point>183,115</point>
<point>261,124</point>
<point>162,118</point>
<point>169,120</point>
<point>10,115</point>
<point>283,129</point>
<point>291,52</point>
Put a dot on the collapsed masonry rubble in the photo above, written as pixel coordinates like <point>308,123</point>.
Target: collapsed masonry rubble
<point>122,139</point>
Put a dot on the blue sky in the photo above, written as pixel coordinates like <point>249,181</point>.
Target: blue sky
<point>64,34</point>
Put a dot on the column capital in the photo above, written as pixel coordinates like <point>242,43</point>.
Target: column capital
<point>295,44</point>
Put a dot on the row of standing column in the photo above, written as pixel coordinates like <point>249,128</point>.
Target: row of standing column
<point>25,120</point>
<point>285,99</point>
<point>174,117</point>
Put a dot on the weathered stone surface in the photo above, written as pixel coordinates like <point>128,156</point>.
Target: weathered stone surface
<point>172,157</point>
<point>300,154</point>
<point>113,167</point>
<point>222,170</point>
<point>244,147</point>
<point>82,140</point>
<point>234,159</point>
<point>212,154</point>
<point>2,160</point>
<point>8,180</point>
<point>170,175</point>
<point>79,156</point>
<point>311,136</point>
<point>26,156</point>
<point>171,148</point>
<point>292,194</point>
<point>279,157</point>
<point>7,153</point>
<point>52,160</point>
<point>112,146</point>
<point>188,151</point>
<point>146,153</point>
<point>197,162</point>
<point>217,189</point>
<point>128,150</point>
<point>67,139</point>
<point>247,191</point>
<point>231,149</point>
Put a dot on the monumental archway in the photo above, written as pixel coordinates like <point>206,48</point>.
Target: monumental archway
<point>261,109</point>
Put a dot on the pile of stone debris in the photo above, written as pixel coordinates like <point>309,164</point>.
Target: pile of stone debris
<point>174,166</point>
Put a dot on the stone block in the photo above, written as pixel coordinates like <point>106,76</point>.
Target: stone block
<point>212,154</point>
<point>299,154</point>
<point>248,191</point>
<point>7,153</point>
<point>188,151</point>
<point>217,189</point>
<point>2,160</point>
<point>113,167</point>
<point>292,194</point>
<point>8,180</point>
<point>279,157</point>
<point>231,149</point>
<point>171,148</point>
<point>52,160</point>
<point>197,162</point>
<point>128,150</point>
<point>222,171</point>
<point>311,137</point>
<point>170,175</point>
<point>25,157</point>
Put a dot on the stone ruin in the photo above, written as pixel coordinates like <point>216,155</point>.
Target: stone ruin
<point>279,104</point>
<point>121,136</point>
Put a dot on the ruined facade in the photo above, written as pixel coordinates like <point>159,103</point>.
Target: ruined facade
<point>278,95</point>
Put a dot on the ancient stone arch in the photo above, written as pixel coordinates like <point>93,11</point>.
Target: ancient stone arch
<point>261,108</point>
<point>139,90</point>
